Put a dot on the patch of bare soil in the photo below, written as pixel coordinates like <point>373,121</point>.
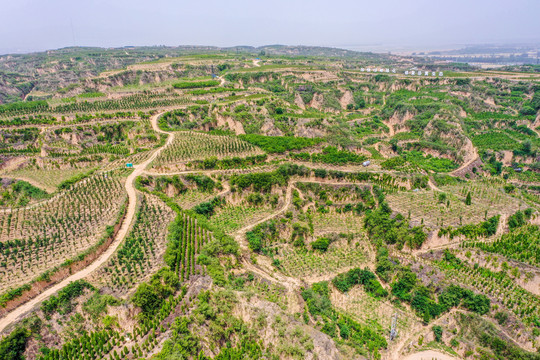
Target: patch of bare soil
<point>252,312</point>
<point>434,241</point>
<point>13,163</point>
<point>317,102</point>
<point>299,102</point>
<point>397,122</point>
<point>270,129</point>
<point>307,131</point>
<point>507,157</point>
<point>232,124</point>
<point>490,102</point>
<point>346,99</point>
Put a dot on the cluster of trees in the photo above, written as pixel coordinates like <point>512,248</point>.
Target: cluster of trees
<point>531,107</point>
<point>472,231</point>
<point>150,295</point>
<point>504,350</point>
<point>66,184</point>
<point>162,182</point>
<point>21,192</point>
<point>331,155</point>
<point>245,77</point>
<point>362,338</point>
<point>522,244</point>
<point>203,182</point>
<point>207,208</point>
<point>280,144</point>
<point>382,228</point>
<point>264,181</point>
<point>408,288</point>
<point>62,302</point>
<point>229,337</point>
<point>393,163</point>
<point>345,281</point>
<point>429,162</point>
<point>12,347</point>
<point>321,244</point>
<point>262,235</point>
<point>230,163</point>
<point>519,218</point>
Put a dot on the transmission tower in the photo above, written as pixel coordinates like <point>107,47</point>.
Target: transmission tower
<point>393,330</point>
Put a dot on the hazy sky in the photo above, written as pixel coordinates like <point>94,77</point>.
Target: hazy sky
<point>29,25</point>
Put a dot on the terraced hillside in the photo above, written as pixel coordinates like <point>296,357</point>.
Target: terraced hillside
<point>188,203</point>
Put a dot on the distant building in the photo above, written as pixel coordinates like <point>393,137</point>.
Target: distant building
<point>366,163</point>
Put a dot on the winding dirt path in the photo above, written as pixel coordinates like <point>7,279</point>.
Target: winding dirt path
<point>263,268</point>
<point>432,186</point>
<point>471,154</point>
<point>430,355</point>
<point>19,312</point>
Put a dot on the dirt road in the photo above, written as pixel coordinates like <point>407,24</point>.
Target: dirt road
<point>430,355</point>
<point>19,312</point>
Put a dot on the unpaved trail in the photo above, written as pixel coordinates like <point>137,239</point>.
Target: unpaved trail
<point>256,62</point>
<point>432,186</point>
<point>17,313</point>
<point>265,269</point>
<point>291,284</point>
<point>430,355</point>
<point>239,234</point>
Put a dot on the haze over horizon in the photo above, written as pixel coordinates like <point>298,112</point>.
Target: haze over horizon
<point>386,26</point>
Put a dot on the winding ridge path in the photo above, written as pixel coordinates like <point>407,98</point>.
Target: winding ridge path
<point>19,312</point>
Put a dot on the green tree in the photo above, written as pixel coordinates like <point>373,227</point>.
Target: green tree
<point>437,331</point>
<point>468,200</point>
<point>12,347</point>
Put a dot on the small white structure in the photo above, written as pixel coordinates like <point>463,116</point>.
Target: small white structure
<point>362,69</point>
<point>440,73</point>
<point>406,72</point>
<point>366,163</point>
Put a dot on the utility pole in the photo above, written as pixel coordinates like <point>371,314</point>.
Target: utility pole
<point>393,330</point>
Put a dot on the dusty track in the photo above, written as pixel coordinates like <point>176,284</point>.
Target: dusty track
<point>19,312</point>
<point>471,155</point>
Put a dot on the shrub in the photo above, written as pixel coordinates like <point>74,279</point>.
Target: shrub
<point>280,144</point>
<point>345,281</point>
<point>321,244</point>
<point>438,332</point>
<point>195,84</point>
